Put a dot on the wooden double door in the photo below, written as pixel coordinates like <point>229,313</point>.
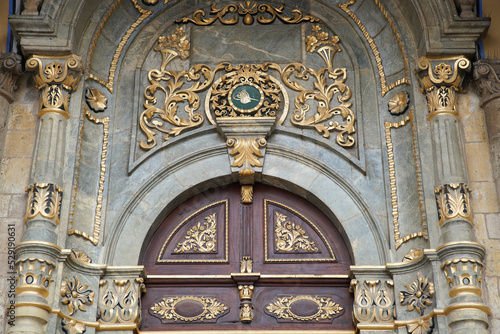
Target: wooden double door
<point>217,264</point>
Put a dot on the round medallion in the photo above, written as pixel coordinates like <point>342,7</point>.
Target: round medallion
<point>246,97</point>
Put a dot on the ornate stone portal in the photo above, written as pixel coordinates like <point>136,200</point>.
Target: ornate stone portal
<point>190,126</point>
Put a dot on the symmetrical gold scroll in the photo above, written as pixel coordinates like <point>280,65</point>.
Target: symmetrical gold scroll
<point>453,200</point>
<point>246,151</point>
<point>120,300</point>
<point>247,10</point>
<point>373,301</point>
<point>326,308</point>
<point>211,308</point>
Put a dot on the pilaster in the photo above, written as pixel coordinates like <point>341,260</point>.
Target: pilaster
<point>459,253</point>
<point>37,254</point>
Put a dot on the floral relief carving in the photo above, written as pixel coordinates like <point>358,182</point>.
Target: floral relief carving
<point>200,238</point>
<point>399,103</point>
<point>291,237</point>
<point>326,308</point>
<point>246,151</point>
<point>76,295</point>
<point>418,295</point>
<point>453,200</point>
<point>95,99</point>
<point>168,309</point>
<point>373,301</point>
<point>44,199</point>
<point>120,300</point>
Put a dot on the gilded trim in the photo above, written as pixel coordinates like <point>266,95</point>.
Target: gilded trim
<point>109,81</point>
<point>311,224</point>
<point>374,47</point>
<point>178,227</point>
<point>94,238</point>
<point>392,178</point>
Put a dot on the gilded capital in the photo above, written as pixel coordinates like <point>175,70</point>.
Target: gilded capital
<point>56,77</point>
<point>10,71</point>
<point>440,79</point>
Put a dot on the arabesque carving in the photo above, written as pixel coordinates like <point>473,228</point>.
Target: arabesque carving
<point>453,200</point>
<point>373,301</point>
<point>290,237</point>
<point>282,308</point>
<point>200,238</point>
<point>166,309</point>
<point>119,300</point>
<point>44,199</point>
<point>247,10</point>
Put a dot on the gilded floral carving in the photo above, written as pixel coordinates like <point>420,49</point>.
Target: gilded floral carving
<point>373,301</point>
<point>291,237</point>
<point>246,151</point>
<point>120,300</point>
<point>282,308</point>
<point>200,238</point>
<point>167,309</point>
<point>453,200</point>
<point>95,99</point>
<point>399,103</point>
<point>76,295</point>
<point>418,295</point>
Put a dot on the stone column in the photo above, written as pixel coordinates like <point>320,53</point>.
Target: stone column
<point>487,86</point>
<point>460,255</point>
<point>36,255</point>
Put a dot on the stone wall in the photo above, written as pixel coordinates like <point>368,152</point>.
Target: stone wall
<point>16,147</point>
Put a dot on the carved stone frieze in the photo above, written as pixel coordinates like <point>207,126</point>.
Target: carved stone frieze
<point>119,300</point>
<point>373,301</point>
<point>10,71</point>
<point>453,200</point>
<point>56,77</point>
<point>44,199</point>
<point>463,276</point>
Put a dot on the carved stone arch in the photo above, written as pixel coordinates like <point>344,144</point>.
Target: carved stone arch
<point>146,208</point>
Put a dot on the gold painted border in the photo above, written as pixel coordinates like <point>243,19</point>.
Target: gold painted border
<point>373,46</point>
<point>94,238</point>
<point>316,229</point>
<point>392,178</point>
<point>112,69</point>
<point>226,260</point>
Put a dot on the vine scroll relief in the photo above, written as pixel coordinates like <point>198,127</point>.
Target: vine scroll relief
<point>247,91</point>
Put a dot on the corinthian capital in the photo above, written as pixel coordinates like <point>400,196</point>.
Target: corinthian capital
<point>57,77</point>
<point>10,70</point>
<point>440,79</point>
<point>486,79</point>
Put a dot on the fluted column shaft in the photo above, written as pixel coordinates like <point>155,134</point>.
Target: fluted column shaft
<point>459,253</point>
<point>36,255</point>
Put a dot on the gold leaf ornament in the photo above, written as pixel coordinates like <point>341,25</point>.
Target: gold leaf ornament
<point>291,237</point>
<point>326,308</point>
<point>399,103</point>
<point>96,100</point>
<point>200,238</point>
<point>76,295</point>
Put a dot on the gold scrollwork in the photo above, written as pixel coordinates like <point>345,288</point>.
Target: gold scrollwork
<point>200,238</point>
<point>247,10</point>
<point>109,81</point>
<point>442,74</point>
<point>154,119</point>
<point>44,199</point>
<point>326,308</point>
<point>56,74</point>
<point>419,294</point>
<point>453,201</point>
<point>373,46</point>
<point>246,151</point>
<point>291,237</point>
<point>373,301</point>
<point>120,300</point>
<point>76,295</point>
<point>94,237</point>
<point>166,308</point>
<point>323,94</point>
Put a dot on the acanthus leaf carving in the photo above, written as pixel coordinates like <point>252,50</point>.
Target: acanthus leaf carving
<point>200,238</point>
<point>373,301</point>
<point>44,199</point>
<point>291,237</point>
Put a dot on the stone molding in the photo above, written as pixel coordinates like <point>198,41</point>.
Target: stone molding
<point>10,72</point>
